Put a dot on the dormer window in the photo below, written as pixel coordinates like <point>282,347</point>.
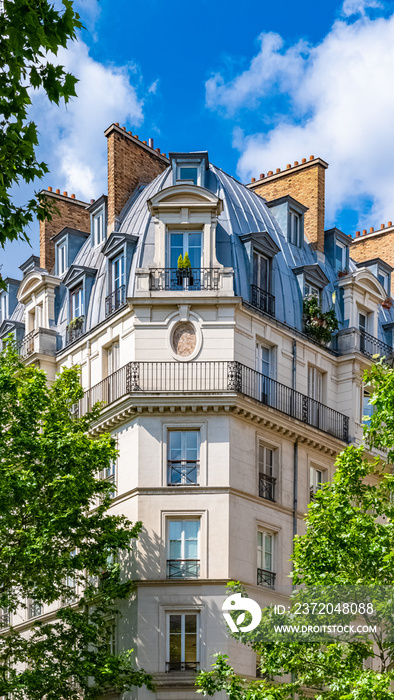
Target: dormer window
<point>117,266</point>
<point>384,279</point>
<point>3,307</point>
<point>189,173</point>
<point>98,227</point>
<point>182,242</point>
<point>340,256</point>
<point>310,290</point>
<point>77,303</point>
<point>189,168</point>
<point>295,228</point>
<point>61,262</point>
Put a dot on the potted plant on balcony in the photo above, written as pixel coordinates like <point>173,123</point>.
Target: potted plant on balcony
<point>184,270</point>
<point>76,324</point>
<point>343,272</point>
<point>318,325</point>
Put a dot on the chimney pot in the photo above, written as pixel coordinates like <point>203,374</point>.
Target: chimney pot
<point>278,170</point>
<point>92,201</point>
<point>150,143</point>
<point>124,128</point>
<point>381,225</point>
<point>144,143</point>
<point>130,132</point>
<point>389,224</point>
<point>64,194</point>
<point>304,160</point>
<point>164,155</point>
<point>49,189</point>
<point>58,191</point>
<point>261,176</point>
<point>288,166</point>
<point>157,150</point>
<point>357,234</point>
<point>371,229</point>
<point>311,157</point>
<point>296,162</point>
<point>364,231</point>
<point>270,173</point>
<point>116,123</point>
<point>136,137</point>
<point>73,196</point>
<point>253,179</point>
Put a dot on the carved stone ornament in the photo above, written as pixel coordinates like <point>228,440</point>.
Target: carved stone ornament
<point>184,339</point>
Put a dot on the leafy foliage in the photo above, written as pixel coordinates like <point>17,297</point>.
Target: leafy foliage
<point>318,324</point>
<point>30,30</point>
<point>349,541</point>
<point>56,528</point>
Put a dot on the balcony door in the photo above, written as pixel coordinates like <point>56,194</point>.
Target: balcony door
<point>265,366</point>
<point>182,242</point>
<point>261,272</point>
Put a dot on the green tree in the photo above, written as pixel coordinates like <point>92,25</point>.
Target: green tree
<point>349,542</point>
<point>59,541</point>
<point>30,30</point>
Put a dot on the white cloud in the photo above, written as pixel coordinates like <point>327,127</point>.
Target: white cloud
<point>339,105</point>
<point>359,7</point>
<point>71,137</point>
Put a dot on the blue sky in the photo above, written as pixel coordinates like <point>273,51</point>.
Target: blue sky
<point>258,85</point>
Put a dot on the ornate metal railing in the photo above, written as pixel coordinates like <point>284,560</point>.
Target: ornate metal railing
<point>370,346</point>
<point>183,472</point>
<point>184,279</point>
<point>267,487</point>
<point>183,568</point>
<point>75,329</point>
<point>216,377</point>
<point>182,666</point>
<point>266,578</point>
<point>115,300</point>
<point>263,300</point>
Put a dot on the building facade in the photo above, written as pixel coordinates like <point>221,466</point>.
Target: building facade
<point>227,415</point>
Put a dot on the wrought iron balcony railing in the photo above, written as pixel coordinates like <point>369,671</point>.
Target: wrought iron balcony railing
<point>267,487</point>
<point>263,300</point>
<point>182,666</point>
<point>183,568</point>
<point>75,329</point>
<point>115,300</point>
<point>266,578</point>
<point>215,377</point>
<point>184,279</point>
<point>370,346</point>
<point>183,472</point>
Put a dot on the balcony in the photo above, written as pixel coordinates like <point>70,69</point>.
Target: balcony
<point>266,578</point>
<point>183,472</point>
<point>192,279</point>
<point>262,300</point>
<point>115,300</point>
<point>215,377</point>
<point>26,346</point>
<point>183,568</point>
<point>75,329</point>
<point>267,487</point>
<point>182,666</point>
<point>41,341</point>
<point>352,340</point>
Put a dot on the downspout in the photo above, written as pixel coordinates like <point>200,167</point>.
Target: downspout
<point>294,366</point>
<point>295,487</point>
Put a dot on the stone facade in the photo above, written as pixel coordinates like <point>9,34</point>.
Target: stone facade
<point>71,212</point>
<point>130,163</point>
<point>306,184</point>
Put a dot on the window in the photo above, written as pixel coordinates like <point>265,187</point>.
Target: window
<point>183,457</point>
<point>315,384</point>
<point>61,258</point>
<point>340,256</point>
<point>182,642</point>
<point>261,271</point>
<point>311,291</point>
<point>109,473</point>
<point>267,480</point>
<point>265,559</point>
<point>98,227</point>
<point>265,365</point>
<point>5,617</point>
<point>384,280</point>
<point>295,228</point>
<point>182,242</point>
<point>118,272</point>
<point>3,307</point>
<point>34,609</point>
<point>367,408</point>
<point>183,549</point>
<point>113,358</point>
<point>188,172</point>
<point>315,481</point>
<point>77,303</point>
<point>110,637</point>
<point>362,322</point>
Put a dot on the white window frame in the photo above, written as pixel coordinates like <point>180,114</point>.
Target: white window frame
<point>110,636</point>
<point>366,392</point>
<point>73,295</point>
<point>385,283</point>
<point>182,558</point>
<point>317,477</point>
<point>182,612</point>
<point>3,306</point>
<point>61,258</point>
<point>295,228</point>
<point>183,432</point>
<point>270,359</point>
<point>120,258</point>
<point>266,469</point>
<point>343,248</point>
<point>113,357</point>
<point>98,233</point>
<point>315,383</point>
<point>310,290</point>
<point>185,246</point>
<point>188,164</point>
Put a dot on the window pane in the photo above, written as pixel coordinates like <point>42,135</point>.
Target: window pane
<point>176,248</point>
<point>188,174</point>
<point>175,549</point>
<point>175,444</point>
<point>191,528</point>
<point>191,440</point>
<point>190,648</point>
<point>175,529</point>
<point>194,249</point>
<point>191,623</point>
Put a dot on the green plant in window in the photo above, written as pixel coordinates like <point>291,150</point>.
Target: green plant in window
<point>318,324</point>
<point>180,262</point>
<point>186,262</point>
<point>75,323</point>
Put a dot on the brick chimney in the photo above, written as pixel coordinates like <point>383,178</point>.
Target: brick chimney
<point>375,244</point>
<point>130,162</point>
<point>72,213</point>
<point>305,182</point>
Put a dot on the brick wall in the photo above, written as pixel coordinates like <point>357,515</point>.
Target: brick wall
<point>130,162</point>
<point>72,213</point>
<point>379,244</point>
<point>306,184</point>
